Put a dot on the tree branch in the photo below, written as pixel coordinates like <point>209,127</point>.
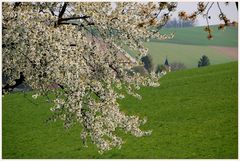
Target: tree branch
<point>19,81</point>
<point>61,86</point>
<point>16,4</point>
<point>65,21</point>
<point>74,18</point>
<point>62,10</point>
<point>68,23</point>
<point>52,12</point>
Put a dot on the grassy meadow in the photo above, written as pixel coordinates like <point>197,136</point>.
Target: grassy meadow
<point>189,44</point>
<point>187,54</point>
<point>196,36</point>
<point>193,114</point>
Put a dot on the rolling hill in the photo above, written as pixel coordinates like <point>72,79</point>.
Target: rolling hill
<point>190,43</point>
<point>196,36</point>
<point>193,114</point>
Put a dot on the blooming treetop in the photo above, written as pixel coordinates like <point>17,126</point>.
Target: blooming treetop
<point>79,47</point>
<point>58,43</point>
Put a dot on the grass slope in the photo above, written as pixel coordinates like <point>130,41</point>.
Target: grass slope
<point>187,54</point>
<point>196,36</point>
<point>193,114</point>
<point>189,44</point>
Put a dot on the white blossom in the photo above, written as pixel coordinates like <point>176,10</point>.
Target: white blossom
<point>79,58</point>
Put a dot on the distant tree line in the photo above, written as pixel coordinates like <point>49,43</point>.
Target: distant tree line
<point>148,65</point>
<point>178,23</point>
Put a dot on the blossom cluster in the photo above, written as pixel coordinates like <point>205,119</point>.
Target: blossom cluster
<point>203,9</point>
<point>79,47</point>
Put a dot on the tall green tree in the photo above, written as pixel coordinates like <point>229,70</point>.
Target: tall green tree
<point>148,63</point>
<point>204,61</point>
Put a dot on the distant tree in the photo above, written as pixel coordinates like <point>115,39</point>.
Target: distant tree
<point>177,66</point>
<point>158,69</point>
<point>166,62</point>
<point>148,63</point>
<point>161,68</point>
<point>204,61</point>
<point>179,23</point>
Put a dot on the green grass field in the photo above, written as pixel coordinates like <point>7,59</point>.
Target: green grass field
<point>187,54</point>
<point>193,114</point>
<point>189,44</point>
<point>196,36</point>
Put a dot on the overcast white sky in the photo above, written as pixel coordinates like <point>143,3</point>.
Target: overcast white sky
<point>230,11</point>
<point>190,7</point>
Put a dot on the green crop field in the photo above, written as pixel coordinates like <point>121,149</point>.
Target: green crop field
<point>193,114</point>
<point>187,54</point>
<point>189,44</point>
<point>196,36</point>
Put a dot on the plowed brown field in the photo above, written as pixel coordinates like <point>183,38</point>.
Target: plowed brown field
<point>231,52</point>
